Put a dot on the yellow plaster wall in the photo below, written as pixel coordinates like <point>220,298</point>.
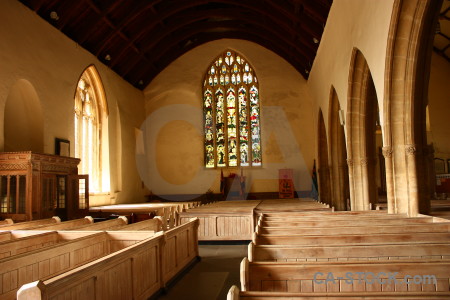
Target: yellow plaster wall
<point>175,96</point>
<point>32,50</point>
<point>439,106</point>
<point>351,23</point>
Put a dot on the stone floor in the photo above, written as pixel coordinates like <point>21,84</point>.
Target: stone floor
<point>212,276</point>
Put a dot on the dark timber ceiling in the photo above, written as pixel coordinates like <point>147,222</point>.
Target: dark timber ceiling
<point>139,38</point>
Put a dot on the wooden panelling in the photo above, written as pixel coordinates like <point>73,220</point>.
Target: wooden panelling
<point>30,224</point>
<point>350,238</point>
<point>302,277</point>
<point>286,253</point>
<point>26,244</point>
<point>135,272</point>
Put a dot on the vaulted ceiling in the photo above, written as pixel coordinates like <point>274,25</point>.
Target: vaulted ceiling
<point>139,38</point>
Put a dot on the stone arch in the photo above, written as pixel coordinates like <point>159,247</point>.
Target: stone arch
<point>406,86</point>
<point>323,165</point>
<point>338,155</point>
<point>23,119</point>
<point>361,116</point>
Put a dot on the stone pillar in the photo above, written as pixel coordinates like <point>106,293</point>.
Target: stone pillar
<point>324,185</point>
<point>430,170</point>
<point>351,184</point>
<point>387,153</point>
<point>413,191</point>
<point>343,188</point>
<point>364,186</point>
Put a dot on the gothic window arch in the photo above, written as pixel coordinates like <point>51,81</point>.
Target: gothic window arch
<point>231,124</point>
<point>91,138</point>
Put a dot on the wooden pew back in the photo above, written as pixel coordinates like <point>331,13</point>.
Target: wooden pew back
<point>28,243</point>
<point>348,222</point>
<point>29,224</point>
<point>135,272</point>
<point>368,276</point>
<point>154,224</point>
<point>66,225</point>
<point>6,222</point>
<point>104,225</point>
<point>282,253</point>
<point>79,248</point>
<point>428,227</point>
<point>235,294</point>
<point>343,239</point>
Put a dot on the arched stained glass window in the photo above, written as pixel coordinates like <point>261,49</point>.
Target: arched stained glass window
<point>231,109</point>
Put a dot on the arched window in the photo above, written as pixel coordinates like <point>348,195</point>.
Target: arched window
<point>91,130</point>
<point>232,126</point>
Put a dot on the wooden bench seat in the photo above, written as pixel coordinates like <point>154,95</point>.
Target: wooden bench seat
<point>29,224</point>
<point>154,224</point>
<point>342,239</point>
<point>6,222</point>
<point>104,225</point>
<point>235,294</point>
<point>27,243</point>
<point>66,225</point>
<point>281,253</point>
<point>311,276</point>
<point>75,249</point>
<point>428,227</point>
<point>16,234</point>
<point>348,222</point>
<point>236,224</point>
<point>135,272</point>
<point>293,217</point>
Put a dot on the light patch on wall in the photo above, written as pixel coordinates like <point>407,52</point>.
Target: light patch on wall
<point>273,152</point>
<point>174,145</point>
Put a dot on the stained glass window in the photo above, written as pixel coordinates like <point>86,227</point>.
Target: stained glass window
<point>231,110</point>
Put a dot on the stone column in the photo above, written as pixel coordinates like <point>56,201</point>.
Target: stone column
<point>413,191</point>
<point>387,153</point>
<point>364,186</point>
<point>343,187</point>
<point>351,184</point>
<point>324,185</point>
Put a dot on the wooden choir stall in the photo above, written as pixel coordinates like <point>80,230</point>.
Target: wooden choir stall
<point>37,186</point>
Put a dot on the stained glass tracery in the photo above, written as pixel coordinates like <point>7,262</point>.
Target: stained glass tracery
<point>231,109</point>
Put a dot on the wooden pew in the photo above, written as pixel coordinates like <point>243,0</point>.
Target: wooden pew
<point>135,272</point>
<point>74,250</point>
<point>180,248</point>
<point>66,225</point>
<point>225,220</point>
<point>428,227</point>
<point>16,234</point>
<point>6,222</point>
<point>235,294</point>
<point>29,224</point>
<point>104,225</point>
<point>284,253</point>
<point>131,273</point>
<point>154,224</point>
<point>315,276</point>
<point>325,222</point>
<point>342,239</point>
<point>27,243</point>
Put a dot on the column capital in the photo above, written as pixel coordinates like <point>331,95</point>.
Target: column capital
<point>387,151</point>
<point>411,149</point>
<point>364,161</point>
<point>350,162</point>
